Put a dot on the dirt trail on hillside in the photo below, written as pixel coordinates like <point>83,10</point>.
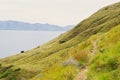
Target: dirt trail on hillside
<point>94,50</point>
<point>81,75</point>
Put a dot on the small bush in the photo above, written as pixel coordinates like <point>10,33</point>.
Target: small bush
<point>22,51</point>
<point>8,67</point>
<point>82,57</point>
<point>18,69</point>
<point>113,64</point>
<point>8,73</point>
<point>62,41</point>
<point>3,75</point>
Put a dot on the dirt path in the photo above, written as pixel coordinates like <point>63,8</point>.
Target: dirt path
<point>81,75</point>
<point>94,50</point>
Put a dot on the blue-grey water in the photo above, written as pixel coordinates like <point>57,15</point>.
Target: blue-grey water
<point>12,42</point>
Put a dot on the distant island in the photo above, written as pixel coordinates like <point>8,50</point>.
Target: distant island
<point>18,25</point>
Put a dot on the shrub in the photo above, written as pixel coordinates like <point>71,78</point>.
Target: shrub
<point>62,41</point>
<point>22,51</point>
<point>82,57</point>
<point>18,69</point>
<point>8,67</point>
<point>3,75</point>
<point>8,73</point>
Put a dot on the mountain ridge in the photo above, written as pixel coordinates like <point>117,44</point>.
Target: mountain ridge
<point>18,25</point>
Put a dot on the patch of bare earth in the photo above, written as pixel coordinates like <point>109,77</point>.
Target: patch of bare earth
<point>81,75</point>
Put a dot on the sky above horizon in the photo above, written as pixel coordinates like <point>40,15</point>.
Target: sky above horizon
<point>58,12</point>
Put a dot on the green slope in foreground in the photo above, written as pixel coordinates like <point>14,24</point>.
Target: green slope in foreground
<point>93,43</point>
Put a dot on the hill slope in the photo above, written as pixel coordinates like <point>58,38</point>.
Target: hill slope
<point>60,59</point>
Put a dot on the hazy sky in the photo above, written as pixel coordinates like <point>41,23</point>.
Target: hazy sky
<point>60,12</point>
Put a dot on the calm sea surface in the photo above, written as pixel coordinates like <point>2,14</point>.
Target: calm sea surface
<point>12,42</point>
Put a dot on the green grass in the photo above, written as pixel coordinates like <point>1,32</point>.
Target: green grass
<point>8,73</point>
<point>57,72</point>
<point>46,61</point>
<point>106,64</point>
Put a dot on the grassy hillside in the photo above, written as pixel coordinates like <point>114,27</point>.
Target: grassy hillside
<point>105,65</point>
<point>93,43</point>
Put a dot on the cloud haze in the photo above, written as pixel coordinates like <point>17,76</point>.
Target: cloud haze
<point>60,12</point>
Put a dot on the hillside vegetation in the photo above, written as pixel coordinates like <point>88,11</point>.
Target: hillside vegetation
<point>93,44</point>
